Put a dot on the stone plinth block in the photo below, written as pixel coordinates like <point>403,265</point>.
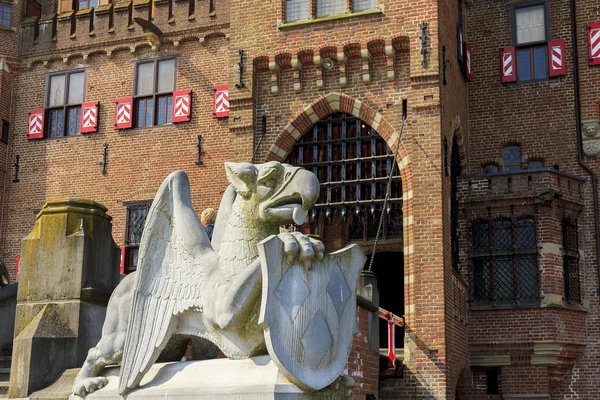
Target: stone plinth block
<point>69,268</point>
<point>250,379</point>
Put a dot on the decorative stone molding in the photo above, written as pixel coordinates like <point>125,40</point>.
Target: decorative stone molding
<point>591,148</point>
<point>489,361</point>
<point>546,352</point>
<point>590,127</point>
<point>552,300</point>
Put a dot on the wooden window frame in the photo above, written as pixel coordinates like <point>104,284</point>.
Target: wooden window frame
<point>154,95</point>
<point>65,107</point>
<point>531,45</point>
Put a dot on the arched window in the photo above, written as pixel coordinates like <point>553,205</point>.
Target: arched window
<point>352,163</point>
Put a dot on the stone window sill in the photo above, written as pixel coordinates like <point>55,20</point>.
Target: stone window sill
<point>489,307</point>
<point>335,17</point>
<point>6,29</point>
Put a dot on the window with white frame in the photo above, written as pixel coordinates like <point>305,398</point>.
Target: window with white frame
<point>64,95</point>
<point>530,36</point>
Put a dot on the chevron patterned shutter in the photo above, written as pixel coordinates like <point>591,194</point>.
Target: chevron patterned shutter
<point>594,43</point>
<point>221,102</point>
<point>89,117</point>
<point>556,58</point>
<point>122,262</point>
<point>124,113</point>
<point>182,106</point>
<point>468,72</point>
<point>35,124</point>
<point>509,65</point>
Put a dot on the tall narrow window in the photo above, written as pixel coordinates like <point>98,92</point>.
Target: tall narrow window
<point>5,127</point>
<point>136,219</point>
<point>64,94</point>
<point>5,14</point>
<point>511,158</point>
<point>531,40</point>
<point>455,172</point>
<point>153,90</point>
<point>571,261</point>
<point>504,262</point>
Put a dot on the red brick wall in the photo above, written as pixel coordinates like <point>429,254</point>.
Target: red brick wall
<point>138,159</point>
<point>541,118</point>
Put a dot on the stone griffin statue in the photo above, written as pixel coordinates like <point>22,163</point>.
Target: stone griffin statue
<point>186,285</point>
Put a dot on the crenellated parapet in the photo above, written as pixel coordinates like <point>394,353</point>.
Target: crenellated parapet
<point>125,20</point>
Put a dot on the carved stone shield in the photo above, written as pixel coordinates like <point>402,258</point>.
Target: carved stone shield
<point>309,316</point>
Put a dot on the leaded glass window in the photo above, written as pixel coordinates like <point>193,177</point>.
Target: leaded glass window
<point>352,163</point>
<point>154,85</point>
<point>504,262</point>
<point>571,261</point>
<point>330,7</point>
<point>136,219</point>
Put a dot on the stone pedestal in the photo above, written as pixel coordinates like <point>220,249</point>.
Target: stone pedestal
<point>69,268</point>
<point>252,379</point>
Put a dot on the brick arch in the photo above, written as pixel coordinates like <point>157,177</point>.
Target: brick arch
<point>338,102</point>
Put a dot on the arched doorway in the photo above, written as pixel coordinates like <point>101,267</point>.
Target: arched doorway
<point>352,162</point>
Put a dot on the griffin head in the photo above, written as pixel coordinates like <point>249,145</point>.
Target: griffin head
<point>277,193</point>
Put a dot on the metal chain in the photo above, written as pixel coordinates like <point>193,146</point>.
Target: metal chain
<point>387,198</point>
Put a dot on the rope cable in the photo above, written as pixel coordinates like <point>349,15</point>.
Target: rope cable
<point>387,197</point>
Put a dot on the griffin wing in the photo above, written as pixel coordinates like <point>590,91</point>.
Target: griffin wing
<point>175,256</point>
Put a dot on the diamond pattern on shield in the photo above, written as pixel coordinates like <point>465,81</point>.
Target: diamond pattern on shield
<point>317,340</point>
<point>338,290</point>
<point>291,292</point>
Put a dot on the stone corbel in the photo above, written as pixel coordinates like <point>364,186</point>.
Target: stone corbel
<point>274,68</point>
<point>109,53</point>
<point>365,56</point>
<point>318,62</point>
<point>46,63</point>
<point>591,148</point>
<point>297,68</point>
<point>65,60</point>
<point>342,65</point>
<point>390,59</point>
<point>590,127</point>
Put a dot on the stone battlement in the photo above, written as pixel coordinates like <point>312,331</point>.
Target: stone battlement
<point>118,23</point>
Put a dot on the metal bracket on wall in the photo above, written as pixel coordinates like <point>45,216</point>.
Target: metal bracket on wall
<point>423,26</point>
<point>240,65</point>
<point>104,158</point>
<point>16,165</point>
<point>199,146</point>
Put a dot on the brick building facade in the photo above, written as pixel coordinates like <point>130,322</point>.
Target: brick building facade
<point>489,246</point>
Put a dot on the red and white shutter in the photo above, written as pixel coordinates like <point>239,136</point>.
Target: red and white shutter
<point>89,117</point>
<point>556,58</point>
<point>509,66</point>
<point>18,266</point>
<point>468,72</point>
<point>182,106</point>
<point>35,124</point>
<point>122,263</point>
<point>221,102</point>
<point>594,43</point>
<point>124,113</point>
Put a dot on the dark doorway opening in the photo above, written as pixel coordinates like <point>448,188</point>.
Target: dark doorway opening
<point>389,268</point>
